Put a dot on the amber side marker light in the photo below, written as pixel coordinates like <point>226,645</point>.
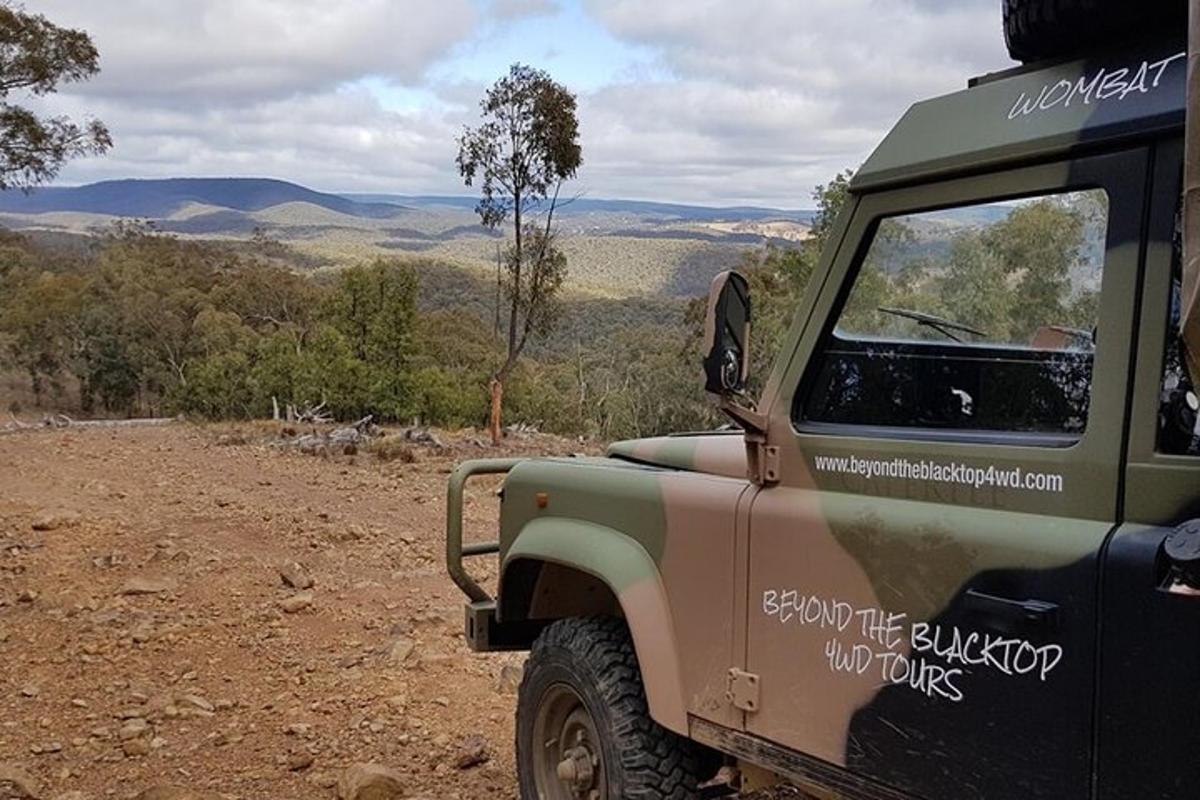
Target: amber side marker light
<point>542,499</point>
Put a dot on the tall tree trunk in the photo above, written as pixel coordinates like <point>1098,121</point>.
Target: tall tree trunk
<point>496,387</point>
<point>499,286</point>
<point>518,259</point>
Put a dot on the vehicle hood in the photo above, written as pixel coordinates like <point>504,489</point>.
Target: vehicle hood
<point>722,453</point>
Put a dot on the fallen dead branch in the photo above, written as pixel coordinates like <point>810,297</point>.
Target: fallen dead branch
<point>422,436</point>
<point>62,421</point>
<point>345,440</point>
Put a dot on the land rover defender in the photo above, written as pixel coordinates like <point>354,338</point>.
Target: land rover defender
<point>950,550</point>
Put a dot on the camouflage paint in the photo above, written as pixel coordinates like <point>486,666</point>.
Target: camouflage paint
<point>663,542</point>
<point>690,546</point>
<point>915,547</point>
<point>623,564</point>
<point>714,453</point>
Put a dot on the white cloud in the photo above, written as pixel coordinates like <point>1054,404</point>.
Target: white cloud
<point>736,101</point>
<point>516,9</point>
<point>227,51</point>
<point>769,97</point>
<point>337,140</point>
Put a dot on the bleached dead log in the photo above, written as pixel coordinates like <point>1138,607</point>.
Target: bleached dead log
<point>344,440</point>
<point>423,436</point>
<point>63,422</point>
<point>312,414</point>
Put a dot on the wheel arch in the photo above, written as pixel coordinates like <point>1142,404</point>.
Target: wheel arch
<point>561,567</point>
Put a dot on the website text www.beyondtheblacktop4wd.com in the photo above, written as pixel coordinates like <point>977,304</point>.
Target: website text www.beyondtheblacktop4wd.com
<point>949,472</point>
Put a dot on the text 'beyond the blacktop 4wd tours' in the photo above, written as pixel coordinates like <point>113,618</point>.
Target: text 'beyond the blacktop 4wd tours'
<point>949,472</point>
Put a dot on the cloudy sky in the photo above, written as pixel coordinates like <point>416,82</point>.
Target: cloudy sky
<point>704,101</point>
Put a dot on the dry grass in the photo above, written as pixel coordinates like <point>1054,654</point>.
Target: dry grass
<point>393,448</point>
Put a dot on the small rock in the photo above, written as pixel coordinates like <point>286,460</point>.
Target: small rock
<point>295,575</point>
<point>133,729</point>
<point>136,747</point>
<point>299,761</point>
<point>17,783</point>
<point>165,792</point>
<point>30,691</point>
<point>510,679</point>
<point>109,560</point>
<point>297,602</point>
<point>472,752</point>
<point>325,780</point>
<point>399,650</point>
<point>370,782</point>
<point>142,633</point>
<point>198,702</point>
<point>145,585</point>
<point>55,520</point>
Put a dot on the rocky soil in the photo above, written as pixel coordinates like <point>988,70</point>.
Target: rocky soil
<point>194,607</point>
<point>196,613</point>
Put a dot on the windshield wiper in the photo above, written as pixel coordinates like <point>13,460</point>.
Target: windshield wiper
<point>942,326</point>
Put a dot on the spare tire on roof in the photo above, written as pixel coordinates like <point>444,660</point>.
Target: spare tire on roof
<point>1045,29</point>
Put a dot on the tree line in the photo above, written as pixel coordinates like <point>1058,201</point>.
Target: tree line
<point>141,323</point>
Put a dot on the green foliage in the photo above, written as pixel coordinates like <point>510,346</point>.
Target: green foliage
<point>1008,279</point>
<point>527,144</point>
<point>143,323</point>
<point>525,148</point>
<point>779,280</point>
<point>147,324</point>
<point>36,56</point>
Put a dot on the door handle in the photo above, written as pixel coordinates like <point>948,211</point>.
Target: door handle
<point>1007,613</point>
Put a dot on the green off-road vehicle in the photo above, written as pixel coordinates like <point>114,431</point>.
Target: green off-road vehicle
<point>950,551</point>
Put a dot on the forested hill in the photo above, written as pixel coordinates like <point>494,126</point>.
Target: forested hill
<point>162,198</point>
<point>592,205</point>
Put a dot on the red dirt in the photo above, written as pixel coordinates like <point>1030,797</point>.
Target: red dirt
<point>236,693</point>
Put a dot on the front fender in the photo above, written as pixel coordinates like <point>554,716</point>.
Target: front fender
<point>628,570</point>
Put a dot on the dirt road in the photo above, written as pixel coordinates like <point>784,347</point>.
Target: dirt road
<point>146,635</point>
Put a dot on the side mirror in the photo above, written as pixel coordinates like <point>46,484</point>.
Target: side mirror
<point>727,335</point>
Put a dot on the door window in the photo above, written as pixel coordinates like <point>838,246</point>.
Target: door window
<point>1179,403</point>
<point>980,318</point>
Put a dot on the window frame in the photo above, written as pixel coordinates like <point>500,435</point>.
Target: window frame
<point>1117,174</point>
<point>1089,472</point>
<point>1160,487</point>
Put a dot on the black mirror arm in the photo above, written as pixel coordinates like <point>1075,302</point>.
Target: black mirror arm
<point>749,418</point>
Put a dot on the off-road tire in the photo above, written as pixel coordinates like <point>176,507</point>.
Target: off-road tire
<point>1049,29</point>
<point>594,657</point>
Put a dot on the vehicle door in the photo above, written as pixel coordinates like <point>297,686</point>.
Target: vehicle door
<point>923,579</point>
<point>1150,626</point>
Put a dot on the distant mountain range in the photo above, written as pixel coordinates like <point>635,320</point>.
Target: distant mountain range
<point>588,205</point>
<point>158,199</point>
<point>616,247</point>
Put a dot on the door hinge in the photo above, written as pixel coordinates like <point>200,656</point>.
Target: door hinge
<point>743,690</point>
<point>763,460</point>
